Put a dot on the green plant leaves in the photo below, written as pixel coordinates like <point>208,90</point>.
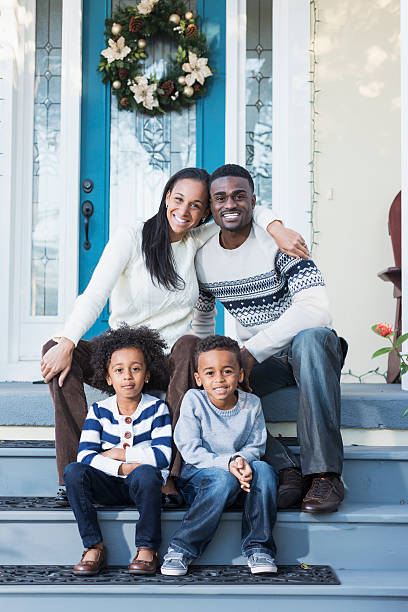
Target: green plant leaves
<point>400,340</point>
<point>382,351</point>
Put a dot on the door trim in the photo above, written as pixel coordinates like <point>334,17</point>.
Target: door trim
<point>291,128</point>
<point>25,334</point>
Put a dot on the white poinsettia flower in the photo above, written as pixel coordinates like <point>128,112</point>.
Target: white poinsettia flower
<point>145,7</point>
<point>143,92</point>
<point>197,69</point>
<point>116,50</point>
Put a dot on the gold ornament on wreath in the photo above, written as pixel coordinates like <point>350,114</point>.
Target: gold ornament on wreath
<point>130,34</point>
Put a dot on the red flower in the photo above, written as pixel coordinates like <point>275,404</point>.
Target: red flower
<point>383,329</point>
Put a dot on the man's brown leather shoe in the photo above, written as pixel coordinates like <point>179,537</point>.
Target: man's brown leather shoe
<point>91,568</point>
<point>325,494</point>
<point>292,488</point>
<point>141,567</point>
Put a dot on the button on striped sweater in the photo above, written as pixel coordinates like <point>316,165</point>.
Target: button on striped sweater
<point>149,441</point>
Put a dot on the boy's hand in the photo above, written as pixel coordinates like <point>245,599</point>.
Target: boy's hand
<point>115,453</point>
<point>241,469</point>
<point>126,468</point>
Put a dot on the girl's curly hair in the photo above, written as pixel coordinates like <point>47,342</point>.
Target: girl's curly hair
<point>147,340</point>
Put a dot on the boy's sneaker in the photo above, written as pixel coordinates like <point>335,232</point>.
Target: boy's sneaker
<point>61,498</point>
<point>174,564</point>
<point>262,563</point>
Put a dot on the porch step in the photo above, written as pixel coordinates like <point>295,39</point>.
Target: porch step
<point>359,535</point>
<point>370,406</point>
<point>371,473</point>
<point>359,591</point>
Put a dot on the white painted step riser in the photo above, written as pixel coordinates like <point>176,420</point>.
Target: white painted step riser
<point>176,602</point>
<point>366,480</point>
<point>370,545</point>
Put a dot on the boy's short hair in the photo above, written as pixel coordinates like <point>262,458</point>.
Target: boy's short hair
<point>215,342</point>
<point>232,170</point>
<point>147,340</point>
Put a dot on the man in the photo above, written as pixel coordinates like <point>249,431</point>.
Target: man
<point>281,309</point>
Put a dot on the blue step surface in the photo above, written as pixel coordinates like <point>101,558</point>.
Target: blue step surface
<point>359,591</point>
<point>373,406</point>
<point>371,473</point>
<point>364,535</point>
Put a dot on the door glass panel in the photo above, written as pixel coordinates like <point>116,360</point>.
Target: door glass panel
<point>146,151</point>
<point>46,159</point>
<point>259,98</point>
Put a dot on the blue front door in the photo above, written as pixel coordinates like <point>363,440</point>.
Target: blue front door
<point>95,187</point>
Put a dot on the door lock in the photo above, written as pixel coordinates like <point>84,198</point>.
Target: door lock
<point>87,185</point>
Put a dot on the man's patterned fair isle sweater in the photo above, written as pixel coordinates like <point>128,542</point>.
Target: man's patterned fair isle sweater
<point>271,296</point>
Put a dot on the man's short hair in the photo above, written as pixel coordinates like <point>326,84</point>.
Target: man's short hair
<point>215,342</point>
<point>232,170</point>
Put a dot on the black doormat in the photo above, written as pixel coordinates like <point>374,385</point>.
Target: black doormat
<point>27,444</point>
<point>197,575</point>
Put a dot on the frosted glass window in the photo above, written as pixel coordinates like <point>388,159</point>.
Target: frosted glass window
<point>46,159</point>
<point>259,98</point>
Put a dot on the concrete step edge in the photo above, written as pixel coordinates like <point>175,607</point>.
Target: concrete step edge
<point>366,453</point>
<point>349,512</point>
<point>358,583</point>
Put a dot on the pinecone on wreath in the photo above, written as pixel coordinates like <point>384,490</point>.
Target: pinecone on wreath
<point>191,30</point>
<point>135,24</point>
<point>124,102</point>
<point>196,87</point>
<point>167,87</point>
<point>123,74</point>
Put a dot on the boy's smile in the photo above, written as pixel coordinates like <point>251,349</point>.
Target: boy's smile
<point>219,373</point>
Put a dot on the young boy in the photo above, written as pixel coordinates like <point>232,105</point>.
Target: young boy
<point>221,436</point>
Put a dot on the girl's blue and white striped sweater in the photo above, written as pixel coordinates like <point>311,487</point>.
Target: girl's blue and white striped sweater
<point>146,438</point>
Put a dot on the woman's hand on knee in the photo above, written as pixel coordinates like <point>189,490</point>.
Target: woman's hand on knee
<point>58,360</point>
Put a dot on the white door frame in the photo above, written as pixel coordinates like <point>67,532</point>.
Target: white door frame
<point>291,128</point>
<point>22,334</point>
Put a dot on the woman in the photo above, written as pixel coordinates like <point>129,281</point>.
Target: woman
<point>148,273</point>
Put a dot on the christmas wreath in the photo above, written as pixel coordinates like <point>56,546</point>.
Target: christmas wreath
<point>128,35</point>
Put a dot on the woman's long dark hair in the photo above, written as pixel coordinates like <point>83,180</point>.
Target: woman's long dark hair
<point>156,245</point>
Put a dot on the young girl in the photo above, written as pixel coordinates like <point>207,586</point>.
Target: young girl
<point>125,447</point>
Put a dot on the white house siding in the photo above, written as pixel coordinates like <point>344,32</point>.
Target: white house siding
<point>358,133</point>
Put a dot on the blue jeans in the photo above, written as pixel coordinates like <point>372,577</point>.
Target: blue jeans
<point>313,362</point>
<point>209,491</point>
<point>86,485</point>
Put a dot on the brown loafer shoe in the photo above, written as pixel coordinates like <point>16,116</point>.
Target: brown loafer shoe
<point>325,494</point>
<point>91,568</point>
<point>140,567</point>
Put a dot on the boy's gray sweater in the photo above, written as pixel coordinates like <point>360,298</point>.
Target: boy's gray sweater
<point>208,437</point>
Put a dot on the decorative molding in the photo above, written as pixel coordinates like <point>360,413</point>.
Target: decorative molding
<point>235,99</point>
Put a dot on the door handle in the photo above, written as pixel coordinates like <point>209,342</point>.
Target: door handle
<point>87,211</point>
